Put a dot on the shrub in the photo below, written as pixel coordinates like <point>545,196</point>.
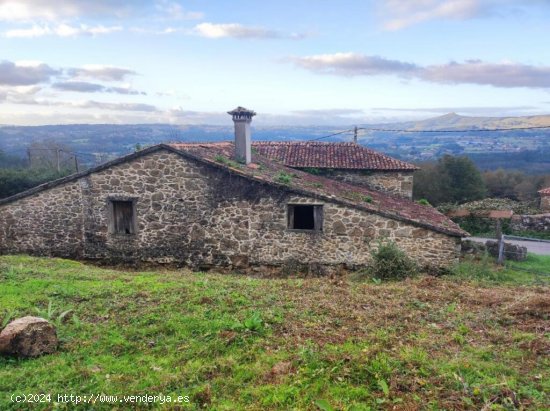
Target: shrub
<point>390,263</point>
<point>423,201</point>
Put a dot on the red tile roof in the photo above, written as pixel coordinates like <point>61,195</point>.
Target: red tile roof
<point>545,191</point>
<point>267,171</point>
<point>314,154</point>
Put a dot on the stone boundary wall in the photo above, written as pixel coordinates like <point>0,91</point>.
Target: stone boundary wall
<point>537,222</point>
<point>192,214</point>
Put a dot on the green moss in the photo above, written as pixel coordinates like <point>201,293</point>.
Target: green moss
<point>284,178</point>
<point>228,162</point>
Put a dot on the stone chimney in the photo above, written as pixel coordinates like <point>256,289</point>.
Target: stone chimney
<point>243,144</point>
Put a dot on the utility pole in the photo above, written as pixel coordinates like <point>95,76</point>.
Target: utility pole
<point>355,134</point>
<point>29,158</point>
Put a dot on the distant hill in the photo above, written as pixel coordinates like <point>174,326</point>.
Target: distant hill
<point>453,121</point>
<point>519,149</point>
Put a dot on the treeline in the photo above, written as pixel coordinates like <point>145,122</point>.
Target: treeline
<point>529,161</point>
<point>458,180</point>
<point>18,174</point>
<point>13,181</point>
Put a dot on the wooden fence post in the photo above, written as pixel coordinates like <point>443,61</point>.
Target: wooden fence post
<point>500,238</point>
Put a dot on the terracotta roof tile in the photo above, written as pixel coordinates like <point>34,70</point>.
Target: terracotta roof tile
<point>314,154</point>
<point>545,191</point>
<point>329,155</point>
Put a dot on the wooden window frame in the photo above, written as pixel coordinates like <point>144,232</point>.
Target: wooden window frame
<point>318,217</point>
<point>111,215</point>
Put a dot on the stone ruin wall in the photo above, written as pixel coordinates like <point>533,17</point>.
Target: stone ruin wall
<point>196,215</point>
<point>536,222</point>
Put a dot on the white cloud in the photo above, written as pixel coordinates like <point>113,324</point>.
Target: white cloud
<point>498,75</point>
<point>116,106</point>
<point>18,94</point>
<point>101,72</point>
<point>87,87</point>
<point>61,30</point>
<point>505,74</point>
<point>352,64</point>
<point>174,11</point>
<point>25,73</point>
<point>216,31</point>
<point>399,14</point>
<point>53,10</point>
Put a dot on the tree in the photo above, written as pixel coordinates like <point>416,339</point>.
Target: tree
<point>10,161</point>
<point>450,180</point>
<point>13,181</point>
<point>514,184</point>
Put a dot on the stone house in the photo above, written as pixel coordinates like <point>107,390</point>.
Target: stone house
<point>221,205</point>
<point>545,200</point>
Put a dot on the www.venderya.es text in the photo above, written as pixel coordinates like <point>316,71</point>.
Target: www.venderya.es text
<point>100,398</point>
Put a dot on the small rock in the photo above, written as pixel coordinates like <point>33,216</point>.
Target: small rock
<point>28,337</point>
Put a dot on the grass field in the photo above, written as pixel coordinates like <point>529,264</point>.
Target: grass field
<point>477,339</point>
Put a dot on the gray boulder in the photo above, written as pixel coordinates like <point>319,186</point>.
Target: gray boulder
<point>28,337</point>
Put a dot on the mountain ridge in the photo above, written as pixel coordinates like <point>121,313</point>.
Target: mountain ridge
<point>456,121</point>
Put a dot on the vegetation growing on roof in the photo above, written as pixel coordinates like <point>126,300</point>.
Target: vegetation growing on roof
<point>284,178</point>
<point>358,197</point>
<point>227,161</point>
<point>312,170</point>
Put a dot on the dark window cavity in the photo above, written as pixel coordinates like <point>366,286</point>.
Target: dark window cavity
<point>123,217</point>
<point>305,217</point>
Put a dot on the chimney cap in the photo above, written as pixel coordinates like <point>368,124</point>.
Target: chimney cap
<point>241,113</point>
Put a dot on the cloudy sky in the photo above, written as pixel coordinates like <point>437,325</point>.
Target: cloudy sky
<point>294,62</point>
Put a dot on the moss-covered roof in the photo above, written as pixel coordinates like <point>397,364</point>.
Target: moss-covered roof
<point>277,174</point>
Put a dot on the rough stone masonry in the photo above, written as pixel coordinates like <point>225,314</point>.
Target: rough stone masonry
<point>190,213</point>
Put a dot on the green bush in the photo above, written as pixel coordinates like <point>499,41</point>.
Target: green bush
<point>390,263</point>
<point>13,181</point>
<point>283,178</point>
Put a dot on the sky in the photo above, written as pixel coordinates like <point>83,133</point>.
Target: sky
<point>300,62</point>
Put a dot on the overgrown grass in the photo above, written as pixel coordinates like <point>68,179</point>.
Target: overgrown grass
<point>535,270</point>
<point>231,342</point>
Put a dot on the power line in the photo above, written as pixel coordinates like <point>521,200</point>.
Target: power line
<point>330,135</point>
<point>453,131</point>
<point>484,130</point>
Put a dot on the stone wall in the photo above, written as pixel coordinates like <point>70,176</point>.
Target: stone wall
<point>537,222</point>
<point>393,182</point>
<point>545,203</point>
<point>196,215</point>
